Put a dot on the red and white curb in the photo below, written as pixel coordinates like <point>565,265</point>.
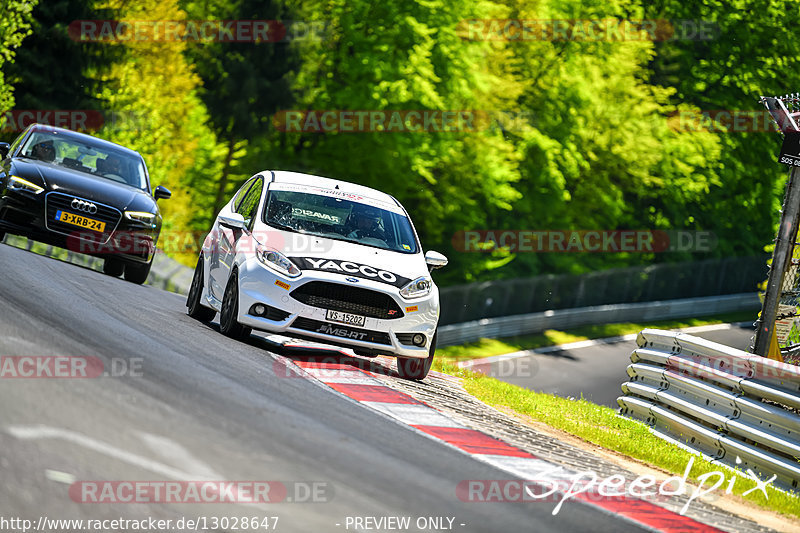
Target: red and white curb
<point>363,387</point>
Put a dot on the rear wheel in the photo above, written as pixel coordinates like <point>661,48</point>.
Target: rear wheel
<point>113,267</point>
<point>195,308</point>
<point>2,235</point>
<point>137,273</point>
<point>228,316</point>
<point>416,369</point>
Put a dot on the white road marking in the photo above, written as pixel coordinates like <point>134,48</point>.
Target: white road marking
<point>49,432</point>
<point>414,415</point>
<point>59,477</point>
<point>178,455</point>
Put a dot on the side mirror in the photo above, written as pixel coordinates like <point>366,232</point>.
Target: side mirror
<point>162,192</point>
<point>435,260</point>
<point>233,221</point>
<point>4,148</point>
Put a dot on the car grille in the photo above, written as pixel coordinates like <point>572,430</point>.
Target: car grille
<point>56,201</point>
<point>341,331</point>
<point>347,299</point>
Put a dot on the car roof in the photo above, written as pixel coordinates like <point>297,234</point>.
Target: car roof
<point>97,141</point>
<point>298,178</point>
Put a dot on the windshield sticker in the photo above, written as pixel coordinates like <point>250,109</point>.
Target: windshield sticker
<point>335,193</point>
<point>350,268</point>
<point>313,215</point>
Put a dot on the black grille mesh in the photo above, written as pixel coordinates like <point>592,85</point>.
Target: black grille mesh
<point>347,299</point>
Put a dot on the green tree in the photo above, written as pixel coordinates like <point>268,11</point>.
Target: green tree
<point>50,53</point>
<point>409,56</point>
<point>244,83</point>
<point>750,49</point>
<point>152,91</point>
<point>15,25</point>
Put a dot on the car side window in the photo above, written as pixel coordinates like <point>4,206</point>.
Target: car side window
<point>237,199</point>
<point>247,208</point>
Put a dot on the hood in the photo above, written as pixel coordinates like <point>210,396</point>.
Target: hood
<point>78,183</point>
<point>342,257</point>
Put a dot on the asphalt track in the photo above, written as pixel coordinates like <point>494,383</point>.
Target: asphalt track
<point>200,406</point>
<point>593,370</point>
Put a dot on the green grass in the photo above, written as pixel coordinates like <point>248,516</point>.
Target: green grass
<point>551,337</point>
<point>602,426</point>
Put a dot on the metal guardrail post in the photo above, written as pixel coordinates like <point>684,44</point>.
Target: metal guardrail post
<point>781,257</point>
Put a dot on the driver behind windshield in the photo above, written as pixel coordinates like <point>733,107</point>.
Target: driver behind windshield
<point>44,151</point>
<point>367,223</point>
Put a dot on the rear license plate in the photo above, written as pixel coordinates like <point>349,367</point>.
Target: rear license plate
<point>345,318</point>
<point>80,221</point>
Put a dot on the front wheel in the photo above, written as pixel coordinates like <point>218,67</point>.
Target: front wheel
<point>228,316</point>
<point>137,273</point>
<point>195,308</point>
<point>416,369</point>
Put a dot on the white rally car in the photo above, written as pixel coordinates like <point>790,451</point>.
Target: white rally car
<point>320,259</point>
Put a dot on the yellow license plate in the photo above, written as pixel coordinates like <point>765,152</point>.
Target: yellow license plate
<point>81,221</point>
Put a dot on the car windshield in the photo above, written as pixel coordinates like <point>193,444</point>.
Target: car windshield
<point>96,160</point>
<point>326,215</point>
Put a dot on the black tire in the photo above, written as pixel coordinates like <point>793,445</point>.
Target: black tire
<point>113,267</point>
<point>137,273</point>
<point>417,369</point>
<point>228,323</point>
<point>195,308</point>
<point>2,235</point>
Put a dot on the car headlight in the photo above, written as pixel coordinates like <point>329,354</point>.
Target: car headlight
<point>418,288</point>
<point>143,217</point>
<point>15,183</point>
<point>276,261</point>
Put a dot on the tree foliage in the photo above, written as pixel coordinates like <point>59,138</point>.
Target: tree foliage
<point>15,24</point>
<point>571,134</point>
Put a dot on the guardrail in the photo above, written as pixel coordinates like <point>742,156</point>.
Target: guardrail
<point>526,324</point>
<point>736,408</point>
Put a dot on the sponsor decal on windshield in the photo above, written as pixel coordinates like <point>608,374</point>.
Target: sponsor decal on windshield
<point>351,269</point>
<point>336,193</point>
<point>318,216</point>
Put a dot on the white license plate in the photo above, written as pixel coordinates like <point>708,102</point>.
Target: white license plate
<point>345,318</point>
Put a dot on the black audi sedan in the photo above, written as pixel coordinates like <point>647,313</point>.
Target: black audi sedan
<point>79,192</point>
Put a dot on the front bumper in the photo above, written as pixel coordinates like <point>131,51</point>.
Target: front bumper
<point>261,285</point>
<point>26,214</point>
